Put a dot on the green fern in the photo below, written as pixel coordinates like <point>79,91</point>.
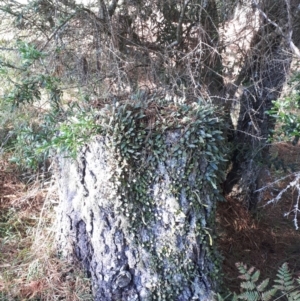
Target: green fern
<point>285,281</point>
<point>252,290</point>
<point>268,295</point>
<point>284,288</point>
<point>263,285</point>
<point>249,296</point>
<point>286,284</point>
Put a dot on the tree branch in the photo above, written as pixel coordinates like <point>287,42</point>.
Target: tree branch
<point>288,37</point>
<point>293,47</point>
<point>112,7</point>
<point>6,64</point>
<point>8,49</point>
<point>180,21</point>
<point>103,11</point>
<point>56,30</point>
<point>179,26</point>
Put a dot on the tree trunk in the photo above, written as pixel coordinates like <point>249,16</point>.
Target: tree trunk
<point>261,79</point>
<point>141,222</point>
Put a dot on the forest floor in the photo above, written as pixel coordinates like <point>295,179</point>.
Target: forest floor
<point>31,270</point>
<point>264,238</point>
<point>29,266</point>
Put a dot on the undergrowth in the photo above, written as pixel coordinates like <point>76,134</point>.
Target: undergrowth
<point>30,268</point>
<point>285,287</point>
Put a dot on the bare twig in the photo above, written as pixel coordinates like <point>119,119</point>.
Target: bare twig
<point>57,30</point>
<point>8,49</point>
<point>293,184</point>
<point>277,181</point>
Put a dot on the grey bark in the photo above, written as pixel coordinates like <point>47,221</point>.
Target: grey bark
<point>164,259</point>
<point>254,128</point>
<point>262,78</point>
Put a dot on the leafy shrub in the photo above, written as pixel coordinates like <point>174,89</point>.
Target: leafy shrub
<point>34,121</point>
<point>32,142</point>
<point>286,113</point>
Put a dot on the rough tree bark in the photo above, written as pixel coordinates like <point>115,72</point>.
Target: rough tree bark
<point>141,223</point>
<point>261,79</point>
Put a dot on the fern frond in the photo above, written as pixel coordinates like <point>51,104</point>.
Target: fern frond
<point>249,296</point>
<point>284,281</point>
<point>285,287</point>
<point>245,273</point>
<point>235,297</point>
<point>262,286</point>
<point>224,298</point>
<point>266,296</point>
<point>284,273</point>
<point>255,276</point>
<point>294,296</point>
<point>252,290</point>
<point>251,270</point>
<point>248,285</point>
<point>243,270</point>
